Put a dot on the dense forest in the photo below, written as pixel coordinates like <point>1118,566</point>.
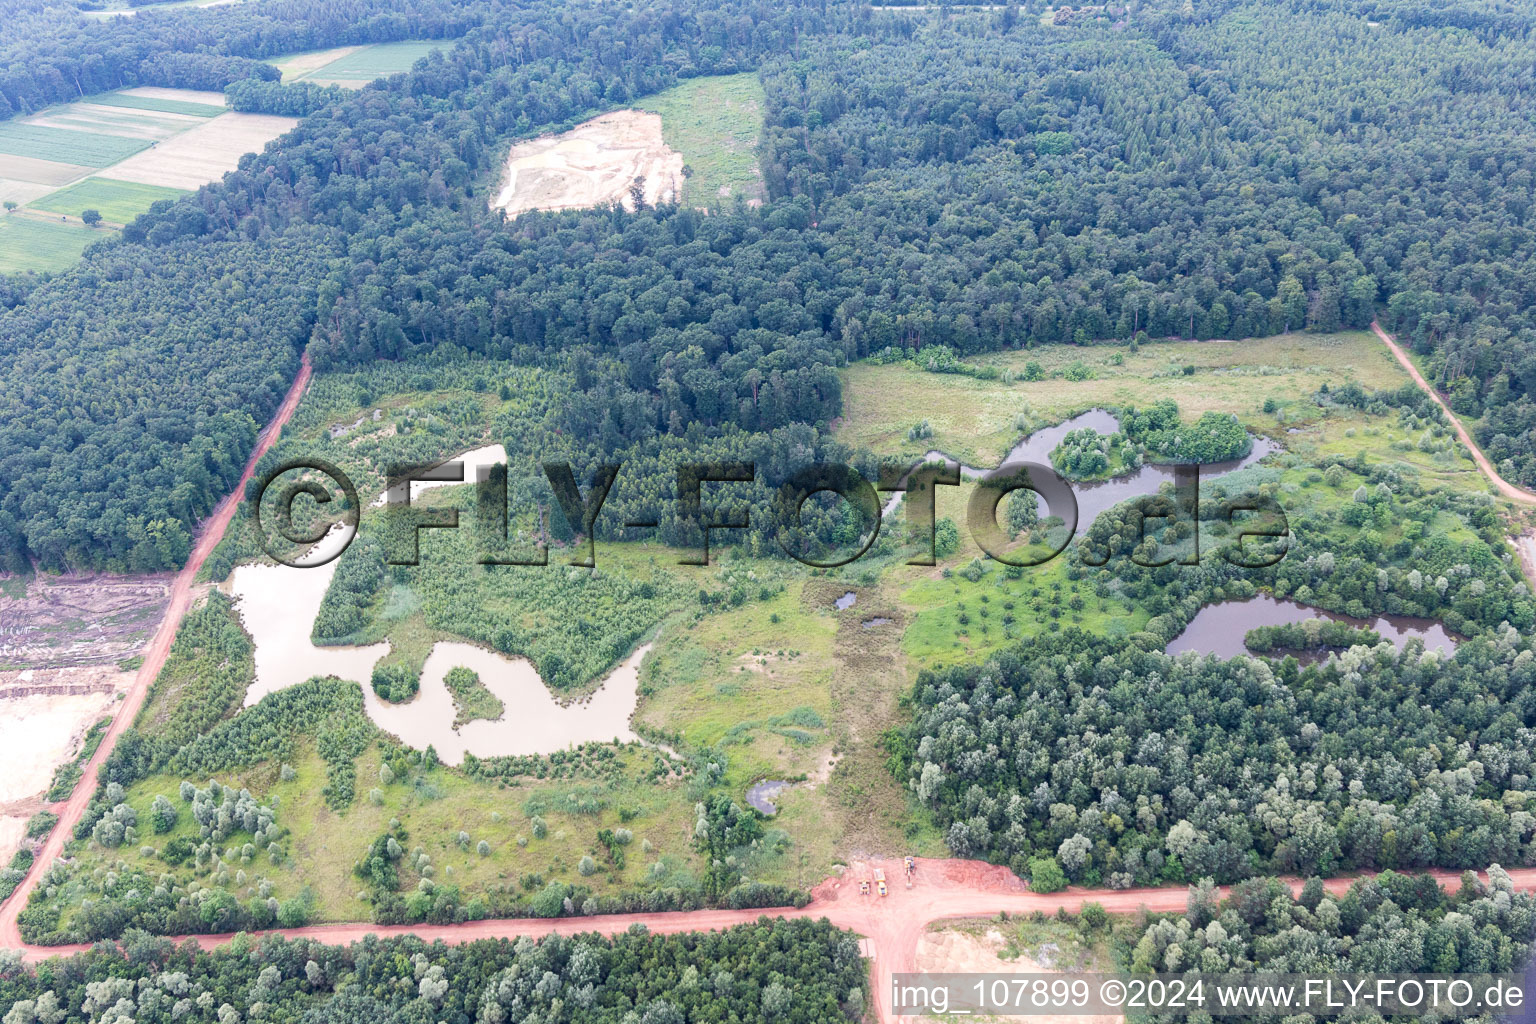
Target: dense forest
<point>978,183</point>
<point>1132,767</point>
<point>798,972</point>
<point>1391,924</point>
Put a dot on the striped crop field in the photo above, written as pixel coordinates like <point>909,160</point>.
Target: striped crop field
<point>90,149</point>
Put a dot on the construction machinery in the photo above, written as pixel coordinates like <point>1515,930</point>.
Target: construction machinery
<point>911,870</point>
<point>863,887</point>
<point>880,881</point>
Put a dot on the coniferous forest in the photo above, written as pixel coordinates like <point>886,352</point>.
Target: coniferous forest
<point>1223,170</point>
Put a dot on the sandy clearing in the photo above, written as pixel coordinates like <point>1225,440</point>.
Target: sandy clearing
<point>22,192</point>
<point>41,172</point>
<point>12,828</point>
<point>597,162</point>
<point>186,95</point>
<point>205,153</point>
<point>951,951</point>
<point>42,731</point>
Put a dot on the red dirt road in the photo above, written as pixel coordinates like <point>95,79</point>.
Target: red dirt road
<point>1509,490</point>
<point>893,924</point>
<point>210,532</point>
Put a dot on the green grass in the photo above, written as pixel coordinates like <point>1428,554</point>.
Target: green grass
<point>958,620</point>
<point>377,61</point>
<point>30,244</point>
<point>117,99</point>
<point>117,201</point>
<point>979,420</point>
<point>88,149</point>
<point>322,845</point>
<point>714,123</point>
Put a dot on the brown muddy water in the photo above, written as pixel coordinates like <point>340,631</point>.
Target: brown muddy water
<point>1095,498</point>
<point>1219,628</point>
<point>277,605</point>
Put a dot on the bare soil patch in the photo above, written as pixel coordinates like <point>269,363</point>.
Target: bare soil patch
<point>43,717</point>
<point>600,161</point>
<point>79,620</point>
<point>43,172</point>
<point>951,951</point>
<point>22,192</point>
<point>204,153</point>
<point>12,828</point>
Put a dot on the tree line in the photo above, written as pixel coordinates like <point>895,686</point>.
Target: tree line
<point>799,972</point>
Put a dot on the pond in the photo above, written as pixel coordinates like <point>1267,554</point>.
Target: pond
<point>1100,496</point>
<point>277,605</point>
<point>761,795</point>
<point>846,601</point>
<point>1219,628</point>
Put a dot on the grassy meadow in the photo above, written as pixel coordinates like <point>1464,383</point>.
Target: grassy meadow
<point>118,202</point>
<point>30,243</point>
<point>978,420</point>
<point>714,122</point>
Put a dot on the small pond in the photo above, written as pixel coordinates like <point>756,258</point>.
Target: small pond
<point>277,605</point>
<point>1219,628</point>
<point>846,601</point>
<point>1100,496</point>
<point>761,795</point>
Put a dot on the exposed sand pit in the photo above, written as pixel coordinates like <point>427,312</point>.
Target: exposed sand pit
<point>950,951</point>
<point>599,161</point>
<point>12,828</point>
<point>80,620</point>
<point>204,153</point>
<point>42,731</point>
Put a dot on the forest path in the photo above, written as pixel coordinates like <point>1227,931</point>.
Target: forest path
<point>209,533</point>
<point>1525,544</point>
<point>1509,490</point>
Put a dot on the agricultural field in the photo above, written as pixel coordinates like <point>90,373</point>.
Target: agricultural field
<point>714,122</point>
<point>205,152</point>
<point>151,98</point>
<point>117,153</point>
<point>118,202</point>
<point>356,66</point>
<point>38,141</point>
<point>27,243</point>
